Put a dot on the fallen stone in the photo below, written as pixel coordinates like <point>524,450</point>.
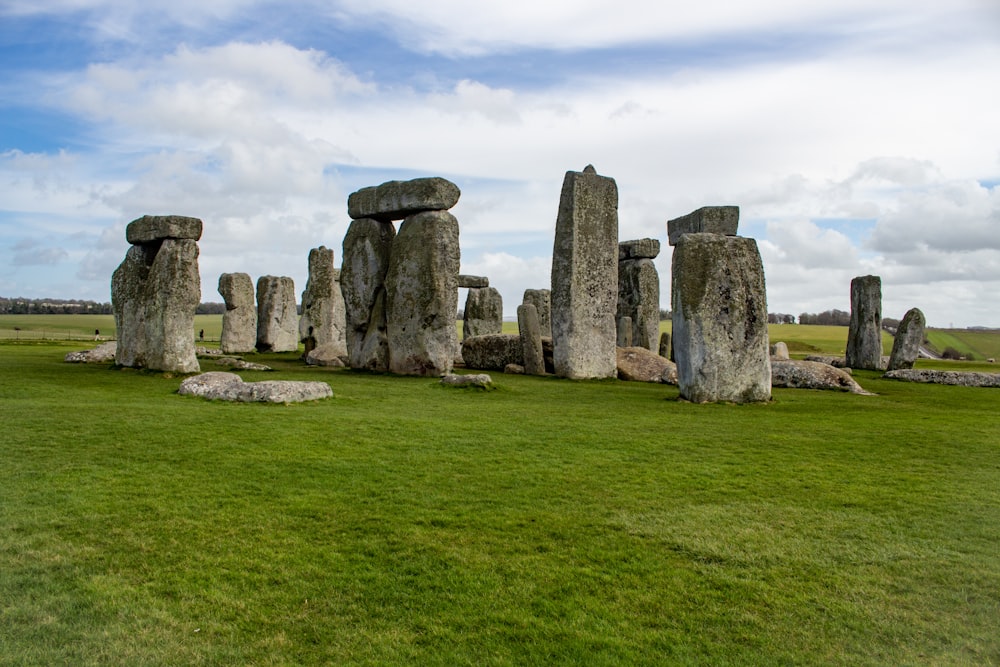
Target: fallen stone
<point>395,200</point>
<point>152,228</point>
<point>102,354</point>
<point>514,369</point>
<point>222,386</point>
<point>638,364</point>
<point>465,280</point>
<point>792,374</point>
<point>328,354</point>
<point>480,381</point>
<point>956,378</point>
<point>241,364</point>
<point>836,362</point>
<point>706,220</point>
<point>492,352</point>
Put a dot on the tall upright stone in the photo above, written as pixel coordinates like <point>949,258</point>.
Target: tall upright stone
<point>531,339</point>
<point>239,322</point>
<point>541,299</point>
<point>367,249</point>
<point>909,337</point>
<point>422,295</point>
<point>639,290</point>
<point>720,319</point>
<point>323,321</point>
<point>483,312</point>
<point>585,277</point>
<point>864,337</point>
<point>155,292</point>
<point>277,315</point>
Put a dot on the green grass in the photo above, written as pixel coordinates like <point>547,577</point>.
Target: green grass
<point>978,345</point>
<point>548,522</point>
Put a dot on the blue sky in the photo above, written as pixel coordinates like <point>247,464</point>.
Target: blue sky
<point>856,137</point>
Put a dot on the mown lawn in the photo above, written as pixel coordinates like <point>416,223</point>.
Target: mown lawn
<point>546,522</point>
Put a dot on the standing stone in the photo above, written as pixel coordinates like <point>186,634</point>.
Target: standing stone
<point>422,295</point>
<point>367,248</point>
<point>277,319</point>
<point>864,338</point>
<point>722,220</point>
<point>483,312</point>
<point>531,339</point>
<point>541,299</point>
<point>624,335</point>
<point>323,318</point>
<point>155,292</point>
<point>639,290</point>
<point>720,319</point>
<point>665,345</point>
<point>239,322</point>
<point>779,351</point>
<point>909,338</point>
<point>585,277</point>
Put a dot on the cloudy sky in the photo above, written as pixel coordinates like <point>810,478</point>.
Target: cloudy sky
<point>857,136</point>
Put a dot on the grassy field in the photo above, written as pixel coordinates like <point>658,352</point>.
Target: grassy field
<point>547,522</point>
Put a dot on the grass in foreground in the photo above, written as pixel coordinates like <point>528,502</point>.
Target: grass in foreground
<point>548,522</point>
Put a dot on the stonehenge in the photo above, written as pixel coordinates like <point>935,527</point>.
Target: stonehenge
<point>907,341</point>
<point>585,276</point>
<point>639,291</point>
<point>155,292</point>
<point>277,315</point>
<point>239,322</point>
<point>541,299</point>
<point>365,260</point>
<point>323,317</point>
<point>719,307</point>
<point>864,337</point>
<point>483,313</point>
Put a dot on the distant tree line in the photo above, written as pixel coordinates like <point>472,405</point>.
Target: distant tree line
<point>780,318</point>
<point>833,317</point>
<point>23,306</point>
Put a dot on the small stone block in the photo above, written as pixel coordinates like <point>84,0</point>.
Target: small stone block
<point>150,228</point>
<point>707,220</point>
<point>638,249</point>
<point>473,281</point>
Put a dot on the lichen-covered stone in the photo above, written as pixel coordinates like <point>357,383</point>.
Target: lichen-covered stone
<point>720,320</point>
<point>664,348</point>
<point>277,315</point>
<point>585,276</point>
<point>102,354</point>
<point>639,300</point>
<point>323,321</point>
<point>541,299</point>
<point>864,336</point>
<point>155,292</point>
<point>638,364</point>
<point>705,220</point>
<point>465,280</point>
<point>367,249</point>
<point>779,351</point>
<point>909,337</point>
<point>957,378</point>
<point>492,352</point>
<point>624,332</point>
<point>239,322</point>
<point>477,381</point>
<point>638,249</point>
<point>222,386</point>
<point>152,228</point>
<point>422,295</point>
<point>483,312</point>
<point>530,334</point>
<point>395,200</point>
<point>790,374</point>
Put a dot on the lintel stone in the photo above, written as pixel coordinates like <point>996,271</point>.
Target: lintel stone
<point>395,200</point>
<point>706,220</point>
<point>473,281</point>
<point>638,249</point>
<point>151,228</point>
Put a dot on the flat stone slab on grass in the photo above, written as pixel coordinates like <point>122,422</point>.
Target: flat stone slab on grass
<point>220,386</point>
<point>395,200</point>
<point>151,228</point>
<point>638,364</point>
<point>794,374</point>
<point>241,364</point>
<point>102,354</point>
<point>957,378</point>
<point>478,381</point>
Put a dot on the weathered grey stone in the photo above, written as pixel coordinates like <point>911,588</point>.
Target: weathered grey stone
<point>223,386</point>
<point>706,220</point>
<point>102,354</point>
<point>779,351</point>
<point>239,322</point>
<point>957,378</point>
<point>513,369</point>
<point>836,362</point>
<point>422,295</point>
<point>638,249</point>
<point>155,292</point>
<point>483,312</point>
<point>720,320</point>
<point>638,364</point>
<point>585,276</point>
<point>479,381</point>
<point>541,299</point>
<point>328,354</point>
<point>324,321</point>
<point>492,352</point>
<point>241,364</point>
<point>792,374</point>
<point>277,315</point>
<point>864,337</point>
<point>367,248</point>
<point>153,228</point>
<point>639,299</point>
<point>664,347</point>
<point>530,334</point>
<point>623,335</point>
<point>395,200</point>
<point>465,280</point>
<point>909,337</point>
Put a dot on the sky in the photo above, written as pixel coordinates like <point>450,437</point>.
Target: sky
<point>857,136</point>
